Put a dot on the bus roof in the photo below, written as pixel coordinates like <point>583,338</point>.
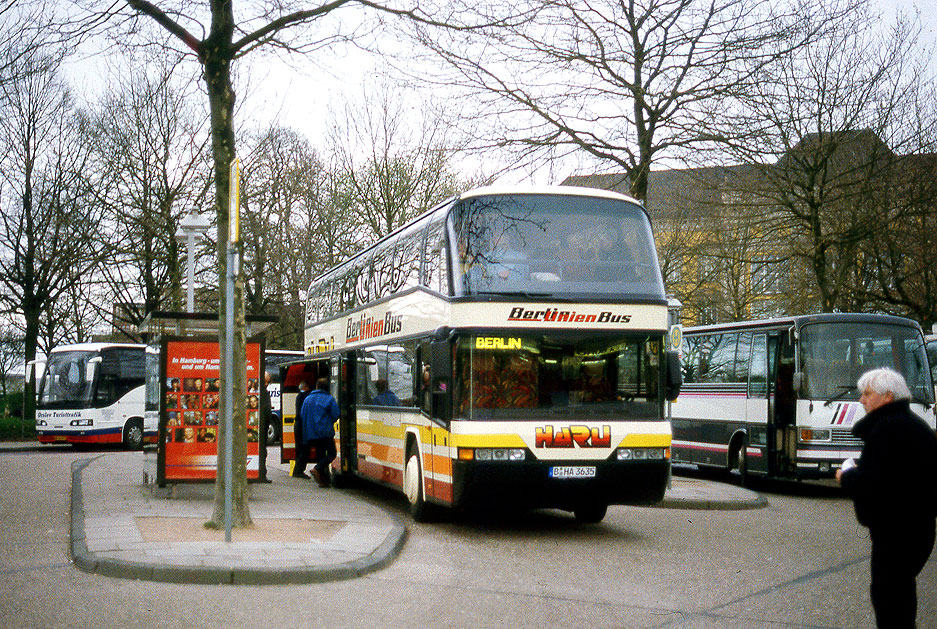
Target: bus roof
<point>801,320</point>
<point>93,347</point>
<point>577,191</point>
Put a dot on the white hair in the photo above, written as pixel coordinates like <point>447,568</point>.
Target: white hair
<point>885,380</point>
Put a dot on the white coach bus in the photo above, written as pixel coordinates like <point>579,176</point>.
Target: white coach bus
<point>94,393</point>
<point>506,347</point>
<point>778,397</point>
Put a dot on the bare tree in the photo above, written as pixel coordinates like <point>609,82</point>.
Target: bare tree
<point>278,172</point>
<point>623,82</point>
<point>150,147</point>
<point>45,219</point>
<point>820,128</point>
<point>394,159</point>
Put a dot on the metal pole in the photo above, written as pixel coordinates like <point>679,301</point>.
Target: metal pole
<point>229,389</point>
<point>190,271</point>
<point>234,201</point>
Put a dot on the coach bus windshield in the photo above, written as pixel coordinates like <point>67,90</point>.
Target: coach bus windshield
<point>552,245</point>
<point>834,355</point>
<point>68,380</point>
<point>576,376</point>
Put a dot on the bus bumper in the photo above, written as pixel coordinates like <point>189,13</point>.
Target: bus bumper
<point>529,484</point>
<point>109,435</point>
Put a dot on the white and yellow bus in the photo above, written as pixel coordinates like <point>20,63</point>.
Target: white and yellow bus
<point>506,347</point>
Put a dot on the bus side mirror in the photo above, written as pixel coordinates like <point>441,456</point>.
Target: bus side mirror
<point>441,403</point>
<point>674,375</point>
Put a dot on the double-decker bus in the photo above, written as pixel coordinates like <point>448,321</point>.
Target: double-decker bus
<point>506,347</point>
<point>778,397</point>
<point>94,393</point>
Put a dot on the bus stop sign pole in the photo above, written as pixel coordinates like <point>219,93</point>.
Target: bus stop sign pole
<point>230,277</point>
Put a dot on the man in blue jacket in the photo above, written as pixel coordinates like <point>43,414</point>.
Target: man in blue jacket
<point>319,414</point>
<point>893,487</point>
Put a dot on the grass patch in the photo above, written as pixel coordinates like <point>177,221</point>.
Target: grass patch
<point>11,419</point>
<point>12,428</point>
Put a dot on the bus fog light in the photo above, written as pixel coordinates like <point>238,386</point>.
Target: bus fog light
<point>655,453</point>
<point>499,454</point>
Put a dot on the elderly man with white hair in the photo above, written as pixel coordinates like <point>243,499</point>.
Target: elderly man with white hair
<point>894,488</point>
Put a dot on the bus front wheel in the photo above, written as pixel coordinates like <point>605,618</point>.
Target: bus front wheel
<point>413,486</point>
<point>133,434</point>
<point>590,514</point>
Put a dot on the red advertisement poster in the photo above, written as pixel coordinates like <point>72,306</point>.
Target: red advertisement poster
<point>192,410</point>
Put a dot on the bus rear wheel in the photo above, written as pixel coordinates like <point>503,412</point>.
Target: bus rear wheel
<point>133,434</point>
<point>413,486</point>
<point>273,430</point>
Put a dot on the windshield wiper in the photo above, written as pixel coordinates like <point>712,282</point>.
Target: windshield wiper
<point>846,390</point>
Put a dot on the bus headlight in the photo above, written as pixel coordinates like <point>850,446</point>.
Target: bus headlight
<point>81,422</point>
<point>642,454</point>
<point>41,422</point>
<point>813,434</point>
<point>492,454</point>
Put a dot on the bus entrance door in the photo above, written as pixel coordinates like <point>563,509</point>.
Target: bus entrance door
<point>757,409</point>
<point>782,429</point>
<point>343,373</point>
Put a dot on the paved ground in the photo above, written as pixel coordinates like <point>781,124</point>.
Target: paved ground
<point>301,532</point>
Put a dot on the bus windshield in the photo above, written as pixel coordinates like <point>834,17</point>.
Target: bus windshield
<point>68,380</point>
<point>554,245</point>
<point>577,376</point>
<point>834,355</point>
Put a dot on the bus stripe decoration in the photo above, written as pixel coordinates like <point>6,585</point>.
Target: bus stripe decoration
<point>844,414</point>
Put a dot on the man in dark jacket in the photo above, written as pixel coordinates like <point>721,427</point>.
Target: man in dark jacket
<point>319,414</point>
<point>893,488</point>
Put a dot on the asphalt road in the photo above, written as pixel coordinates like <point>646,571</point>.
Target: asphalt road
<point>800,562</point>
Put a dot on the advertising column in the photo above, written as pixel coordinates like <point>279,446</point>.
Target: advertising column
<point>190,411</point>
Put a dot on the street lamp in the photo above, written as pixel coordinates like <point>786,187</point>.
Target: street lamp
<point>191,226</point>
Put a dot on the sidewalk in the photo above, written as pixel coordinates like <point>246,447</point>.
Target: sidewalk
<point>301,533</point>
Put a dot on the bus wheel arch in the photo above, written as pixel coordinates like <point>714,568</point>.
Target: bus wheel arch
<point>738,455</point>
<point>413,486</point>
<point>132,436</point>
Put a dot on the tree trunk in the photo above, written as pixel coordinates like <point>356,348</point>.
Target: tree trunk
<point>216,59</point>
